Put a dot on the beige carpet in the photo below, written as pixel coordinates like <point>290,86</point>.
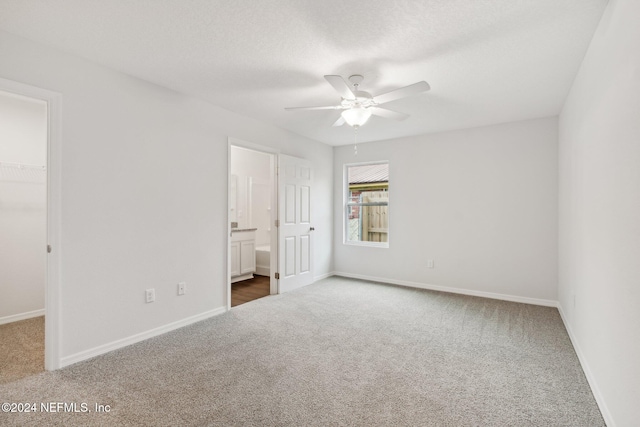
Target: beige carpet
<point>21,349</point>
<point>340,353</point>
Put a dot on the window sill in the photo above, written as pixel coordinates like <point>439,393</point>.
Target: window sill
<point>368,244</point>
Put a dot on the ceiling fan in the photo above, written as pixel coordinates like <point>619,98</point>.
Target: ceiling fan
<point>358,105</point>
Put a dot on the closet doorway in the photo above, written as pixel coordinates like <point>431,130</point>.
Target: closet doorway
<point>23,232</point>
<point>252,219</point>
<point>30,137</point>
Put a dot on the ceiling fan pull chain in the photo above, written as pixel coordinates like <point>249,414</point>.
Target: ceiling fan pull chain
<point>355,140</point>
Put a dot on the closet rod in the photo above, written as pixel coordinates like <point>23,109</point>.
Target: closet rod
<point>22,165</point>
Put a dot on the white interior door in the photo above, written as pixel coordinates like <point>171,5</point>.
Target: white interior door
<point>295,232</point>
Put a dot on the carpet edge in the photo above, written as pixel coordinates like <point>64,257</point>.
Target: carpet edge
<point>482,294</point>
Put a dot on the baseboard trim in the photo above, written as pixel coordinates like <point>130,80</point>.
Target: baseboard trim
<point>21,316</point>
<point>597,394</point>
<point>263,271</point>
<point>323,276</point>
<point>492,295</point>
<point>106,348</point>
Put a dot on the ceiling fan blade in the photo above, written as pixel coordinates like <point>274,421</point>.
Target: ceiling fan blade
<point>328,107</point>
<point>339,122</point>
<point>388,114</point>
<point>340,86</point>
<point>402,92</point>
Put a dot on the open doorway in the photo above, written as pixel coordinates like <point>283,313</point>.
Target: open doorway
<point>23,232</point>
<point>52,254</point>
<point>252,220</point>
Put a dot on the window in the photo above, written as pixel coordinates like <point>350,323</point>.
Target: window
<point>367,204</point>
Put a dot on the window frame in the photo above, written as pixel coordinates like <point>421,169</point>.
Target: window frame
<point>346,206</point>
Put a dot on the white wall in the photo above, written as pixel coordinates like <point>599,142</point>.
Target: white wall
<point>599,272</point>
<point>23,134</point>
<point>144,195</point>
<point>481,203</point>
<point>23,139</point>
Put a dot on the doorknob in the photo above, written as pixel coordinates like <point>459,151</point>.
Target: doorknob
<point>311,229</point>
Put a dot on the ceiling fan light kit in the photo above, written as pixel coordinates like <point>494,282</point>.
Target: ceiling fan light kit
<point>356,116</point>
<point>358,105</point>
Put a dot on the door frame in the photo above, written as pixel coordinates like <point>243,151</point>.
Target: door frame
<point>52,303</point>
<point>273,153</point>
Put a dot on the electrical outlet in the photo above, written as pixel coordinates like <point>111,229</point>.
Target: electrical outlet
<point>150,295</point>
<point>429,263</point>
<point>182,288</point>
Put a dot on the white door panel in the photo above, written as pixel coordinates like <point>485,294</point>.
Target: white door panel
<point>305,249</point>
<point>295,237</point>
<point>305,204</point>
<point>290,204</point>
<point>290,256</point>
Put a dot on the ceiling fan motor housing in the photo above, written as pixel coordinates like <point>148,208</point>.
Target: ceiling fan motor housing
<point>356,79</point>
<point>364,99</point>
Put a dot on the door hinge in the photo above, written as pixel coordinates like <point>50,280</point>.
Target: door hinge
<point>277,275</point>
<point>48,249</point>
<point>277,223</point>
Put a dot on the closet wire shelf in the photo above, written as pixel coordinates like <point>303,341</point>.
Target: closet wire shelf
<point>22,173</point>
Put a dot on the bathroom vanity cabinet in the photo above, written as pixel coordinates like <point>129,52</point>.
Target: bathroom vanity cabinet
<point>243,254</point>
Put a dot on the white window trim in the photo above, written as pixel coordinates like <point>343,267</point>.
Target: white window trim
<point>345,197</point>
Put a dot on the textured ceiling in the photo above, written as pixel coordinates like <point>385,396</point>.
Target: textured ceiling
<point>487,61</point>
